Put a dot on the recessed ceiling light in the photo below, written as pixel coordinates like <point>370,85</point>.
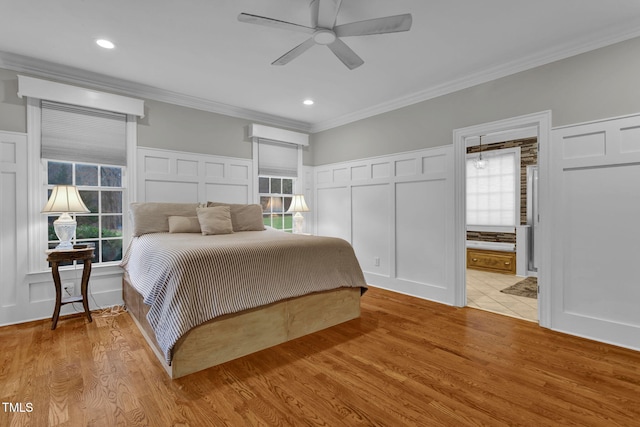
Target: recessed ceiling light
<point>308,102</point>
<point>105,44</point>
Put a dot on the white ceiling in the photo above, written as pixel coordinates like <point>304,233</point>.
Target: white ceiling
<point>197,53</point>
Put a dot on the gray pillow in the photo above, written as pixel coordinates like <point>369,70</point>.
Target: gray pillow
<point>153,217</point>
<point>184,224</point>
<point>244,217</point>
<point>215,220</point>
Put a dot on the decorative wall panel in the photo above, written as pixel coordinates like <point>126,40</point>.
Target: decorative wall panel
<point>173,176</point>
<point>397,212</point>
<point>421,260</point>
<point>332,214</point>
<point>370,205</point>
<point>585,145</point>
<point>13,226</point>
<point>630,140</point>
<point>596,246</point>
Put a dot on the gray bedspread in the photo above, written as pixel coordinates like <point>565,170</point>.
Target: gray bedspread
<point>188,279</point>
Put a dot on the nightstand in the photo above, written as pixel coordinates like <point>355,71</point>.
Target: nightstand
<point>55,257</point>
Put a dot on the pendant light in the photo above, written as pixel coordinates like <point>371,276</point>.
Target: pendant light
<point>479,162</point>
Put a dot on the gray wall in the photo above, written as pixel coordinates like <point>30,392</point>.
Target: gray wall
<point>165,126</point>
<point>172,127</point>
<point>594,85</point>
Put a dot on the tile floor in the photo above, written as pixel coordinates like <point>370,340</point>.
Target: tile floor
<point>483,292</point>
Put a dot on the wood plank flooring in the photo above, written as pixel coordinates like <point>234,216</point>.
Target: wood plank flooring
<point>404,362</point>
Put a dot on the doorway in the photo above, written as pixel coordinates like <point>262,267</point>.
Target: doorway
<point>501,202</point>
<point>495,133</point>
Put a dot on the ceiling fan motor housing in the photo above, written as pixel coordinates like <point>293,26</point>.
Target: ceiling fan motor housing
<point>324,36</point>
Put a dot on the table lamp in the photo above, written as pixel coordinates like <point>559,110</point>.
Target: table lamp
<point>298,205</point>
<point>64,200</point>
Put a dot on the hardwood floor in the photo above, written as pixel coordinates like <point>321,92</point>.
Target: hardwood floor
<point>404,362</point>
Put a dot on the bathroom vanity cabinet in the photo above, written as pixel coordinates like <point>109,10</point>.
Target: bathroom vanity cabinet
<point>496,261</point>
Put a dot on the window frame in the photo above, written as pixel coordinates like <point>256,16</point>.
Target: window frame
<point>281,195</point>
<point>100,189</point>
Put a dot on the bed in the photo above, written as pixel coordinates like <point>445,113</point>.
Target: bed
<point>208,290</point>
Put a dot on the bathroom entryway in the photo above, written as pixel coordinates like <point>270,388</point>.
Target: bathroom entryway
<point>497,165</point>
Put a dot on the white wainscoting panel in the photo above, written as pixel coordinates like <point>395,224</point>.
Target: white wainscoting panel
<point>174,176</point>
<point>602,213</point>
<point>370,205</point>
<point>169,191</point>
<point>332,215</point>
<point>13,225</point>
<point>421,260</point>
<point>306,187</point>
<point>230,193</point>
<point>397,212</point>
<point>596,246</point>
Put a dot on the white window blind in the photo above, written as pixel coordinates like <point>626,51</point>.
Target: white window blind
<point>492,191</point>
<point>80,134</point>
<point>277,159</point>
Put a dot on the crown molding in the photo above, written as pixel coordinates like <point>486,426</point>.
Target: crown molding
<point>72,75</point>
<point>564,51</point>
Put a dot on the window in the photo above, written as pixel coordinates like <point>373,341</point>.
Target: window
<point>89,137</point>
<point>493,193</point>
<point>101,189</point>
<point>277,168</point>
<point>86,147</point>
<point>275,197</point>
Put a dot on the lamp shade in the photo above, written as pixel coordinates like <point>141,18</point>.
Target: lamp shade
<point>65,198</point>
<point>298,204</point>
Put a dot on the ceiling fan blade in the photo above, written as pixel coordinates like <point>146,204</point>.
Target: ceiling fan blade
<point>274,23</point>
<point>313,6</point>
<point>345,54</point>
<point>295,52</point>
<point>389,24</point>
<point>327,12</point>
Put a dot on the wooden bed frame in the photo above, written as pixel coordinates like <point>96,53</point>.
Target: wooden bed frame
<point>235,335</point>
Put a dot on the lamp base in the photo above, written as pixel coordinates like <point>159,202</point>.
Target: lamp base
<point>65,228</point>
<point>298,223</point>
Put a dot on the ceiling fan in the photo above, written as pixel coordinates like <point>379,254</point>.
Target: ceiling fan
<point>324,31</point>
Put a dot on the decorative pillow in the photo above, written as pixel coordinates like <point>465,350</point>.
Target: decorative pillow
<point>244,217</point>
<point>215,220</point>
<point>184,224</point>
<point>153,217</point>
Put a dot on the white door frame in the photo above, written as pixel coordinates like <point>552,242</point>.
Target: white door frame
<point>542,121</point>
